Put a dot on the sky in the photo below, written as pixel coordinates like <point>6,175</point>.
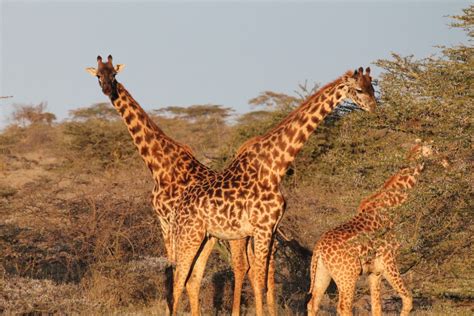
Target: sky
<point>191,52</point>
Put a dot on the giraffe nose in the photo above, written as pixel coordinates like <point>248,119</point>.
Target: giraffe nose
<point>372,106</point>
<point>106,90</point>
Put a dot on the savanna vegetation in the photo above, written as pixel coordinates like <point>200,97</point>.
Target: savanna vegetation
<point>78,233</point>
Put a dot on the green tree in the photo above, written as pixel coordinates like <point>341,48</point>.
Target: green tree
<point>97,135</point>
<point>429,98</point>
<point>433,98</point>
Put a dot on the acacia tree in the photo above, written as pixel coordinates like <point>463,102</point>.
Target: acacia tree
<point>203,126</point>
<point>98,111</point>
<point>198,112</point>
<point>98,134</point>
<point>32,114</point>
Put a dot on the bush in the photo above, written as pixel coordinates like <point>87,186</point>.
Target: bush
<point>104,143</point>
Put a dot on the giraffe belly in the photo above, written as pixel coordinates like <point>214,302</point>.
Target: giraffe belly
<point>229,228</point>
<point>227,235</point>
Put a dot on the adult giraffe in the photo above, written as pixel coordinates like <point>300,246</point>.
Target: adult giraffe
<point>244,200</point>
<point>173,167</point>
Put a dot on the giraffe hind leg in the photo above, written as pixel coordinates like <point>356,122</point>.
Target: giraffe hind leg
<point>346,297</point>
<point>321,279</point>
<point>194,282</point>
<point>188,250</point>
<point>262,244</point>
<point>271,304</point>
<point>392,275</point>
<point>346,279</point>
<point>240,266</point>
<point>374,283</point>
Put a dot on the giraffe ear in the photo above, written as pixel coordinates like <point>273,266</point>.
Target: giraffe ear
<point>119,67</point>
<point>352,79</point>
<point>92,71</point>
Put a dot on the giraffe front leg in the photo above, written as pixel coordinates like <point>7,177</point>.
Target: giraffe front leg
<point>193,285</point>
<point>240,266</point>
<point>262,243</point>
<point>392,274</point>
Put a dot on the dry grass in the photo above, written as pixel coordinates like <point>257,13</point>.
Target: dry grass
<point>26,295</point>
<point>137,282</point>
<point>79,239</point>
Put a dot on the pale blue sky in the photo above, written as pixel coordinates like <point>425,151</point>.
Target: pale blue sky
<point>184,53</point>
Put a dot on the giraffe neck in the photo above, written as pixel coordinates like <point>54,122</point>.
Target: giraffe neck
<point>167,160</point>
<point>394,192</point>
<point>274,151</point>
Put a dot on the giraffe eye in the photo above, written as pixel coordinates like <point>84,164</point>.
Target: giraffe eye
<point>359,90</point>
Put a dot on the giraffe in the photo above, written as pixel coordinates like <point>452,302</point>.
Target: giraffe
<point>366,243</point>
<point>173,167</point>
<point>244,200</point>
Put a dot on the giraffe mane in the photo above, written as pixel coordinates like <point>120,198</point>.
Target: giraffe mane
<point>292,114</point>
<point>309,99</point>
<point>345,75</point>
<point>256,139</point>
<point>182,146</point>
<point>155,126</point>
<point>247,144</point>
<point>390,181</point>
<point>186,148</point>
<point>370,199</point>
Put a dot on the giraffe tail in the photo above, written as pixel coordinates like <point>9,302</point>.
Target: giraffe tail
<point>173,232</point>
<point>314,267</point>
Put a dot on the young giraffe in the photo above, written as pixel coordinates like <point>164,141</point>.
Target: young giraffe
<point>366,244</point>
<point>173,168</point>
<point>244,200</point>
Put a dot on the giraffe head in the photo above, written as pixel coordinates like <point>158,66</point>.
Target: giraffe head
<point>106,72</point>
<point>360,89</point>
<point>425,150</point>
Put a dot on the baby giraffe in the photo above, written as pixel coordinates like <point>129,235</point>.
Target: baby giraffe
<point>366,244</point>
